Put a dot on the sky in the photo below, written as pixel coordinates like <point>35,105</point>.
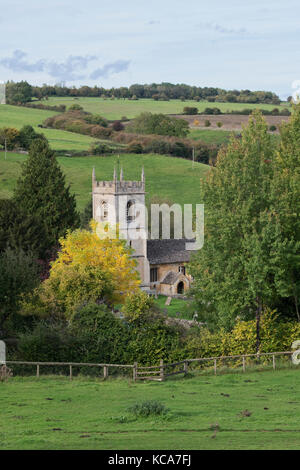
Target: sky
<point>228,44</point>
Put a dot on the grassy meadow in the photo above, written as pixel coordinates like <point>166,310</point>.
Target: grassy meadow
<point>17,116</point>
<point>255,410</point>
<point>210,136</point>
<point>118,108</point>
<point>178,308</point>
<point>168,179</point>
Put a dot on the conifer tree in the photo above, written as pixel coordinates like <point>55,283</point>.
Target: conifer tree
<point>41,192</point>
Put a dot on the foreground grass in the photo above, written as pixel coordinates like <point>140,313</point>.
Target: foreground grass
<point>117,108</point>
<point>206,412</point>
<point>168,179</point>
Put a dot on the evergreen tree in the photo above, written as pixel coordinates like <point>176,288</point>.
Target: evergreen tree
<point>41,193</point>
<point>18,276</point>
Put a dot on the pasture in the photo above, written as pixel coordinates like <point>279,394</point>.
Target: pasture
<point>255,410</point>
<point>117,108</point>
<point>16,116</point>
<point>168,179</point>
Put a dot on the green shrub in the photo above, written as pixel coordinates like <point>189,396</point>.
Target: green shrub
<point>148,408</point>
<point>272,128</point>
<point>190,110</point>
<point>99,149</point>
<point>207,123</point>
<point>96,119</point>
<point>135,147</point>
<point>75,107</point>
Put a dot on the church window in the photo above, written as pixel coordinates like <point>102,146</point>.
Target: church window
<point>130,211</point>
<point>181,269</point>
<point>153,275</point>
<point>104,210</point>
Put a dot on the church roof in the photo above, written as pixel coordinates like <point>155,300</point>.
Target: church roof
<point>171,278</point>
<point>168,251</point>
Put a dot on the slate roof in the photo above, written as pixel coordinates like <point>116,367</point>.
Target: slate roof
<point>168,251</point>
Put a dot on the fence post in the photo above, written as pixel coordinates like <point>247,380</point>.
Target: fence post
<point>105,372</point>
<point>134,371</point>
<point>161,370</point>
<point>215,366</point>
<point>185,367</point>
<point>71,372</point>
<point>244,364</point>
<point>37,370</point>
<point>274,362</point>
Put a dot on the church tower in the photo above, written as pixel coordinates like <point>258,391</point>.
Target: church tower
<point>122,203</point>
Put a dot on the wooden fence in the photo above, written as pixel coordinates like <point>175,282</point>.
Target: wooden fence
<point>161,371</point>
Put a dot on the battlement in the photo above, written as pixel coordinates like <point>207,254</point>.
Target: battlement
<point>120,186</point>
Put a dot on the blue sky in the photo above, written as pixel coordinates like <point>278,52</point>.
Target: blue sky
<point>228,44</point>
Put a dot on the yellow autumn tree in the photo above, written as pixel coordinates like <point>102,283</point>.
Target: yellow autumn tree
<point>89,268</point>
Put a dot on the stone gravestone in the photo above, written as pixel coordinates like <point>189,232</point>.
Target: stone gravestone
<point>2,353</point>
<point>168,301</point>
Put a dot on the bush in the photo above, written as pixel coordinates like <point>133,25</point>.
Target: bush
<point>219,124</point>
<point>75,107</point>
<point>10,137</point>
<point>148,408</point>
<point>135,147</point>
<point>96,119</point>
<point>272,128</point>
<point>215,111</point>
<point>99,131</point>
<point>159,124</point>
<point>118,126</point>
<point>207,123</point>
<point>99,149</point>
<point>190,110</point>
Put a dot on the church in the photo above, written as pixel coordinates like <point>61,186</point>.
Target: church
<point>161,263</point>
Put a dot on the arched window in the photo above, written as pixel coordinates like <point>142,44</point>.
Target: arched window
<point>104,210</point>
<point>130,212</point>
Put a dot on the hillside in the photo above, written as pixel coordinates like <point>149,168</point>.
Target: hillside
<point>118,108</point>
<point>16,116</point>
<point>168,179</point>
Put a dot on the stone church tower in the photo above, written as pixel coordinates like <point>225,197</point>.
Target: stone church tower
<point>122,203</point>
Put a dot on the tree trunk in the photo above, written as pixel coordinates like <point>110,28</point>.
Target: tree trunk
<point>258,315</point>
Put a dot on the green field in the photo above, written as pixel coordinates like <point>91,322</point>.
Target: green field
<point>210,136</point>
<point>117,108</point>
<point>16,116</point>
<point>168,179</point>
<point>178,308</point>
<point>206,412</point>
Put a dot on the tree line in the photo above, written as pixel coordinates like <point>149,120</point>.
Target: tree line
<point>23,92</point>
